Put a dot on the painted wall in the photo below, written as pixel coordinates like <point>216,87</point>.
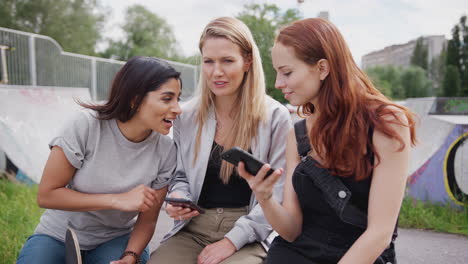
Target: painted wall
<point>443,178</point>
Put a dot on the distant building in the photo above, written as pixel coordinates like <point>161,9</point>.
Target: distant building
<point>324,15</point>
<point>400,54</point>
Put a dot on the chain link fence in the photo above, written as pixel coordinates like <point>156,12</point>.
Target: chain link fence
<point>36,60</point>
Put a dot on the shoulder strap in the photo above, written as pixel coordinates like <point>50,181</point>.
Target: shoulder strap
<point>350,213</point>
<point>302,140</point>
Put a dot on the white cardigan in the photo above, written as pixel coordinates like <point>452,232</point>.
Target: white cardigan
<point>269,147</point>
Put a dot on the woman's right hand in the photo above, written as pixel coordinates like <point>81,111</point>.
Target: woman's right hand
<point>178,212</point>
<point>140,198</point>
<point>262,188</point>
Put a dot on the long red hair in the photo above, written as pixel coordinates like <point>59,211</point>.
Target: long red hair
<point>349,103</point>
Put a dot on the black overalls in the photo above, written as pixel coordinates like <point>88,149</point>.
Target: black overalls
<point>334,213</point>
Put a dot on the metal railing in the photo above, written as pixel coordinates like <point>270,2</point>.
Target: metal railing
<point>37,60</point>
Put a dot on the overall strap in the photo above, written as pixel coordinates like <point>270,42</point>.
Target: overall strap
<point>302,139</point>
<point>335,192</point>
<point>329,184</point>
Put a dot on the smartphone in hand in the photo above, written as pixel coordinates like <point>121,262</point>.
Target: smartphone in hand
<point>185,203</point>
<point>252,164</point>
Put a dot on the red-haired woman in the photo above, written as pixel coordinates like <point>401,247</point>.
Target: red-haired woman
<point>347,161</point>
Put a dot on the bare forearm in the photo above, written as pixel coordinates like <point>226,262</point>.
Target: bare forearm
<point>144,227</point>
<point>287,226</point>
<point>141,236</point>
<point>372,243</point>
<point>70,200</point>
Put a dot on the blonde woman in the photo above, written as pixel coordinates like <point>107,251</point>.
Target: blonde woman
<point>232,109</point>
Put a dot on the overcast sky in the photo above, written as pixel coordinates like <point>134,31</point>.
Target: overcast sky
<point>367,25</point>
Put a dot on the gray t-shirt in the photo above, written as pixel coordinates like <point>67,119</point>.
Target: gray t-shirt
<point>106,162</point>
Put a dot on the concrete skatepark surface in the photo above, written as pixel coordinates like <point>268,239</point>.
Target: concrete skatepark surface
<point>30,118</point>
<point>412,246</point>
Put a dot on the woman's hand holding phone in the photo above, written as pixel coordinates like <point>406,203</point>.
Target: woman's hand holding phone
<point>179,212</point>
<point>263,188</point>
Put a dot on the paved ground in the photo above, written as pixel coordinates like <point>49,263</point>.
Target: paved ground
<point>413,246</point>
<point>418,247</point>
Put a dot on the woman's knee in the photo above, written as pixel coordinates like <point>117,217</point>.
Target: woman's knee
<point>180,248</point>
<point>251,253</point>
<point>109,251</point>
<point>42,249</point>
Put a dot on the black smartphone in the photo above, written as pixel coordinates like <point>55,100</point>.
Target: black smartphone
<point>252,164</point>
<point>186,203</point>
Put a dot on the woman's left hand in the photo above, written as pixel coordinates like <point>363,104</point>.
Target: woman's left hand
<point>262,188</point>
<point>216,252</point>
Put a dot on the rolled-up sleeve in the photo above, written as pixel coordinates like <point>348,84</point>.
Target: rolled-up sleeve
<point>72,139</point>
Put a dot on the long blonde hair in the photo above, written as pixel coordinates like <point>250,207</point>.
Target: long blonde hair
<point>250,110</point>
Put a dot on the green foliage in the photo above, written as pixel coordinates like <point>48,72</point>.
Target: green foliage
<point>264,20</point>
<point>464,52</point>
<point>456,106</point>
<point>453,54</point>
<point>194,59</point>
<point>75,24</point>
<point>452,81</point>
<point>457,56</point>
<point>441,218</point>
<point>387,80</point>
<point>420,53</point>
<point>437,70</point>
<point>20,215</point>
<point>464,89</point>
<point>145,33</point>
<point>415,82</point>
<point>400,83</point>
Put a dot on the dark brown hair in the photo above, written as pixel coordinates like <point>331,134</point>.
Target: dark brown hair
<point>349,103</point>
<point>132,82</point>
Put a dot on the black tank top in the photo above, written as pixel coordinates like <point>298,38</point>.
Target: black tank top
<point>215,193</point>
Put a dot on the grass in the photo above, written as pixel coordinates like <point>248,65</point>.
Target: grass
<point>18,218</point>
<point>440,218</point>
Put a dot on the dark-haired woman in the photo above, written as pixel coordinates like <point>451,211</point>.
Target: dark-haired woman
<point>346,162</point>
<point>108,165</point>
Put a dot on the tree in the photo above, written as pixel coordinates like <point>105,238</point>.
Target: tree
<point>388,80</point>
<point>75,24</point>
<point>145,33</point>
<point>457,56</point>
<point>464,56</point>
<point>264,20</point>
<point>400,83</point>
<point>194,59</point>
<point>453,48</point>
<point>452,82</point>
<point>415,82</point>
<point>436,72</point>
<point>420,53</point>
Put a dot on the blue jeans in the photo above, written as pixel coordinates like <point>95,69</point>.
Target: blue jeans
<point>43,249</point>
